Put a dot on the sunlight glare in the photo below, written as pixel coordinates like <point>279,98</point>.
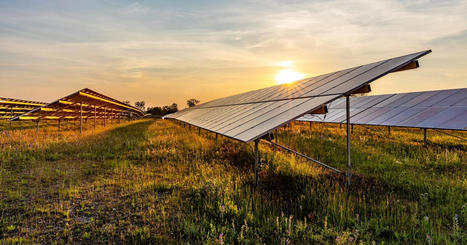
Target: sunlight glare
<point>288,76</point>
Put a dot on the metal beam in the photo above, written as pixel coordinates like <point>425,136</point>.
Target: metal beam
<point>463,139</point>
<point>256,161</point>
<point>412,65</point>
<point>424,137</point>
<point>349,164</point>
<point>81,119</point>
<point>95,116</point>
<point>323,109</point>
<point>304,156</point>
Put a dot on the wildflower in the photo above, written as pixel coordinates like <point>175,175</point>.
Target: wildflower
<point>221,238</point>
<point>428,239</point>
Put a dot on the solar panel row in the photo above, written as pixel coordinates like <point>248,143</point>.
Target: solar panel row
<point>10,108</point>
<point>249,116</point>
<point>442,109</point>
<point>83,103</point>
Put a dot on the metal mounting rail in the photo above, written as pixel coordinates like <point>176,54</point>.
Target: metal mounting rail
<point>304,156</point>
<point>459,137</point>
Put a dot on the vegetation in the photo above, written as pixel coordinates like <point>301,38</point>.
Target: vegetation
<point>140,105</point>
<point>154,181</point>
<point>192,102</point>
<point>164,110</point>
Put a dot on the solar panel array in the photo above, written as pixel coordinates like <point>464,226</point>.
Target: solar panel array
<point>249,116</point>
<point>442,109</point>
<point>83,103</point>
<point>10,108</point>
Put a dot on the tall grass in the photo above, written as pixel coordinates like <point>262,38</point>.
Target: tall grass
<point>154,181</point>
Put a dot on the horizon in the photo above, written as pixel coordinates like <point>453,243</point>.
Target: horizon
<point>164,53</point>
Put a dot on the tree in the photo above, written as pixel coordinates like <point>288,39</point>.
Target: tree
<point>140,104</point>
<point>164,110</point>
<point>192,102</point>
<point>156,110</point>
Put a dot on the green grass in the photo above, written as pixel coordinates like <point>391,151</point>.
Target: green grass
<point>153,181</point>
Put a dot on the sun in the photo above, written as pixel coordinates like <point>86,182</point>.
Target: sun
<point>288,76</point>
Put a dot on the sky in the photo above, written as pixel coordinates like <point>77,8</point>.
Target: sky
<point>170,51</point>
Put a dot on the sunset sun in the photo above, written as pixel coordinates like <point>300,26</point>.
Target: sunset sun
<point>288,76</point>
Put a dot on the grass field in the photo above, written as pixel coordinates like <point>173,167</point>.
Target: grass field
<point>153,181</point>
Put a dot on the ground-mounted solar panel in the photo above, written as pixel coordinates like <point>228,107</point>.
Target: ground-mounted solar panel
<point>10,108</point>
<point>440,109</point>
<point>249,116</point>
<point>84,103</point>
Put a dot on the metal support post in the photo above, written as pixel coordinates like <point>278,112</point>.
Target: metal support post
<point>105,115</point>
<point>349,165</point>
<point>389,130</point>
<point>37,126</point>
<point>199,131</point>
<point>311,123</point>
<point>81,118</point>
<point>256,161</point>
<point>59,126</point>
<point>216,136</point>
<point>424,137</point>
<point>95,117</point>
<point>12,115</point>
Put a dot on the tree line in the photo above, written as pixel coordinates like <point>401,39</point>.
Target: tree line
<point>160,111</point>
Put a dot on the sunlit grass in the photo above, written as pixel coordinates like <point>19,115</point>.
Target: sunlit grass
<point>156,181</point>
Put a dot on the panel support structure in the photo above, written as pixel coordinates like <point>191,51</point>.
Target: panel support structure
<point>81,118</point>
<point>95,116</point>
<point>304,156</point>
<point>349,164</point>
<point>12,115</point>
<point>256,161</point>
<point>424,137</point>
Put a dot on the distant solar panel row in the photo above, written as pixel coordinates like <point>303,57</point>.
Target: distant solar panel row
<point>83,103</point>
<point>249,116</point>
<point>10,108</point>
<point>442,109</point>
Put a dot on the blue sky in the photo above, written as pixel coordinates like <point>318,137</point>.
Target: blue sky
<point>169,51</point>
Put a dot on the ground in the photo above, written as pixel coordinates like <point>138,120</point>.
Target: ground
<point>154,181</point>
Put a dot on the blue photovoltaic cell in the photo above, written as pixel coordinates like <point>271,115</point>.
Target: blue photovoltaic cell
<point>249,116</point>
<point>441,109</point>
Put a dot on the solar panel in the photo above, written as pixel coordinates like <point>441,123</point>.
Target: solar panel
<point>85,103</point>
<point>10,108</point>
<point>249,116</point>
<point>440,109</point>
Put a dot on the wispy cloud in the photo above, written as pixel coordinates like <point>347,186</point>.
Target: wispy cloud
<point>164,51</point>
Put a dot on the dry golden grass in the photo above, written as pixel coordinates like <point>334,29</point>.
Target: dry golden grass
<point>153,181</point>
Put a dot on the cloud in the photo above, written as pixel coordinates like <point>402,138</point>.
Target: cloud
<point>208,49</point>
